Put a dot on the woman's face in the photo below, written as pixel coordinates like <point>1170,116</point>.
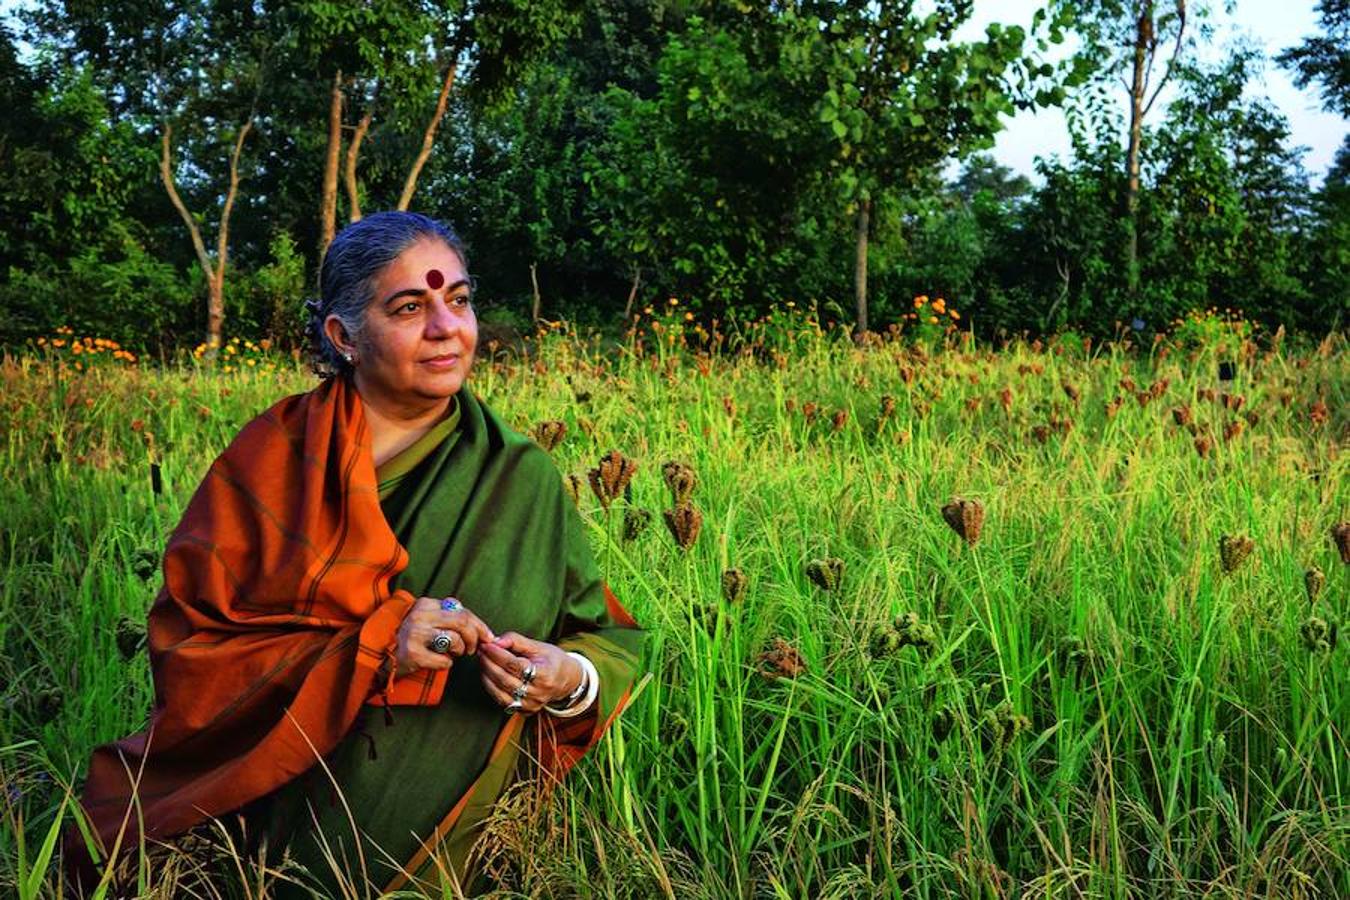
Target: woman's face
<point>420,332</point>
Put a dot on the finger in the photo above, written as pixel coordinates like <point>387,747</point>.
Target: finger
<point>426,659</point>
<point>499,696</point>
<point>472,629</point>
<point>511,662</point>
<point>519,644</point>
<point>503,680</point>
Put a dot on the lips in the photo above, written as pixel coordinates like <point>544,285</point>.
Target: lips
<point>444,361</point>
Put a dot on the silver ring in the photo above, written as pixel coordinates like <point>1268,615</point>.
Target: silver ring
<point>528,675</point>
<point>441,642</point>
<point>520,692</point>
<point>514,707</point>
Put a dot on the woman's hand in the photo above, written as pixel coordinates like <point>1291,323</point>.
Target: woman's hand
<point>503,662</point>
<point>419,627</point>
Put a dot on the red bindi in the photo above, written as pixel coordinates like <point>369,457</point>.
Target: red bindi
<point>435,279</point>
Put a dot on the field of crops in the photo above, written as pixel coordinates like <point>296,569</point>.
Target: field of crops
<point>1060,620</point>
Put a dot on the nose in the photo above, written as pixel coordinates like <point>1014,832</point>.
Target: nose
<point>441,319</point>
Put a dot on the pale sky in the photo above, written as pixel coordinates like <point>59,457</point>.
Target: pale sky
<point>1271,24</point>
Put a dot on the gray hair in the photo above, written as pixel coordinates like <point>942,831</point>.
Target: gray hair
<point>355,258</point>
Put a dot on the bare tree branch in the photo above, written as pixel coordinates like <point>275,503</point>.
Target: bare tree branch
<point>410,186</point>
<point>166,175</point>
<point>349,170</point>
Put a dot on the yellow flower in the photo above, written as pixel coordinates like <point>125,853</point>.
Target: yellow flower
<point>791,305</point>
<point>955,315</point>
<point>919,302</point>
<point>673,302</point>
<point>251,362</point>
<point>939,306</point>
<point>932,320</point>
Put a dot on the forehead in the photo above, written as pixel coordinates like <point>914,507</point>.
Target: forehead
<point>411,267</point>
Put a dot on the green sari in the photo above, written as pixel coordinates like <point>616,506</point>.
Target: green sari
<point>482,513</point>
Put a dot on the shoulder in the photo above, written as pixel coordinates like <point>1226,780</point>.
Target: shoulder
<point>281,425</point>
<point>526,458</point>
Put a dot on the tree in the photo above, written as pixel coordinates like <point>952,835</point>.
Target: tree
<point>1325,59</point>
<point>182,66</point>
<point>900,96</point>
<point>1143,36</point>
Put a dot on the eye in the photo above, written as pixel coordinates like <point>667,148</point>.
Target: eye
<point>461,300</point>
<point>408,308</point>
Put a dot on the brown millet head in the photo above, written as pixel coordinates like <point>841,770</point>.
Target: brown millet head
<point>1181,415</point>
<point>548,434</point>
<point>611,476</point>
<point>684,523</point>
<point>1340,536</point>
<point>826,573</point>
<point>1071,391</point>
<point>887,406</point>
<point>966,518</point>
<point>1203,444</point>
<point>1234,550</point>
<point>734,585</point>
<point>839,419</point>
<point>681,479</point>
<point>1233,430</point>
<point>572,484</point>
<point>1313,581</point>
<point>781,660</point>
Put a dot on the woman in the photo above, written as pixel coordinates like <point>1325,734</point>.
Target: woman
<point>384,540</point>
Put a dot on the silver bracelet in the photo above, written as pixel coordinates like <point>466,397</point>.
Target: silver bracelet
<point>575,703</point>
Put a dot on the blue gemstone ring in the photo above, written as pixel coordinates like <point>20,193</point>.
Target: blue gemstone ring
<point>450,604</point>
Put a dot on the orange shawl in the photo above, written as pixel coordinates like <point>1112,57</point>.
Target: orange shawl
<point>275,624</point>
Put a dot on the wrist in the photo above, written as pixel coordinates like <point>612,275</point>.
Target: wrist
<point>574,686</point>
<point>583,696</point>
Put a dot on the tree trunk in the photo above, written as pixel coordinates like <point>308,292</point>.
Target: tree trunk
<point>349,170</point>
<point>215,273</point>
<point>428,139</point>
<point>534,286</point>
<point>632,293</point>
<point>860,266</point>
<point>215,310</point>
<point>1138,86</point>
<point>328,201</point>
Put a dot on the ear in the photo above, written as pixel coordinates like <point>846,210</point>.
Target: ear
<point>337,333</point>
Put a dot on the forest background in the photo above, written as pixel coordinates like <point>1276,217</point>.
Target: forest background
<point>170,172</point>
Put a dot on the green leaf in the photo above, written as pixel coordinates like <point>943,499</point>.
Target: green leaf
<point>840,129</point>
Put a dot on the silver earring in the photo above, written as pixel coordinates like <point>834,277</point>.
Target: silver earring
<point>348,358</point>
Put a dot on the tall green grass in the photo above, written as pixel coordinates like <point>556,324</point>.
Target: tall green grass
<point>1180,736</point>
